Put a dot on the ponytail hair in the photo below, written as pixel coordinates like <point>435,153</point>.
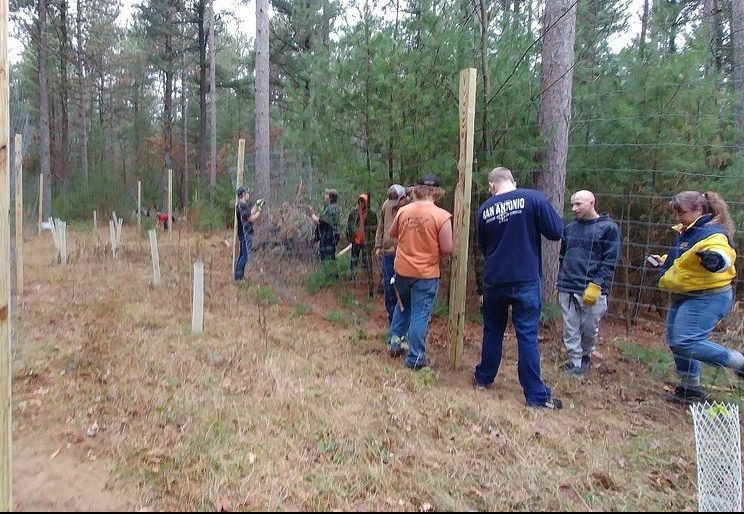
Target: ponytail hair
<point>718,207</point>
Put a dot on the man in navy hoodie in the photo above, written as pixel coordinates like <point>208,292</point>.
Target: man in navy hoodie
<point>510,225</point>
<point>590,249</point>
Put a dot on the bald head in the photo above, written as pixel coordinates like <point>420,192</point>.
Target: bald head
<point>501,180</point>
<point>583,205</point>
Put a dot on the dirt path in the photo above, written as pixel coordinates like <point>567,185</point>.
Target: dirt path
<point>50,475</point>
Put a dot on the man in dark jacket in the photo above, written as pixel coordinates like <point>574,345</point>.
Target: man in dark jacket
<point>590,249</point>
<point>510,226</point>
<point>245,214</point>
<point>328,226</point>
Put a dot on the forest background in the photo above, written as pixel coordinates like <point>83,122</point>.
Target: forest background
<point>364,94</point>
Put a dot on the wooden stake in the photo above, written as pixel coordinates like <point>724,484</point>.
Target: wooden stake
<point>197,307</point>
<point>95,222</point>
<point>19,213</point>
<point>5,328</point>
<point>155,258</point>
<point>461,218</point>
<point>139,206</point>
<point>41,200</point>
<point>238,183</point>
<point>170,203</point>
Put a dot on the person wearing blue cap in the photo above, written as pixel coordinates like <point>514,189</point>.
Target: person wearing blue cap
<point>245,214</point>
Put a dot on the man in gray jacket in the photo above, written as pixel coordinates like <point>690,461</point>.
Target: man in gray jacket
<point>590,250</point>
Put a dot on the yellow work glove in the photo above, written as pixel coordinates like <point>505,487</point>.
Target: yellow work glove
<point>591,294</point>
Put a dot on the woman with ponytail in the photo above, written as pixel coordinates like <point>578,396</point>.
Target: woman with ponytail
<point>698,272</point>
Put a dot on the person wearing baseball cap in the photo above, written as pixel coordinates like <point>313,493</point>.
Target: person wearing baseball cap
<point>424,233</point>
<point>245,215</point>
<point>385,245</point>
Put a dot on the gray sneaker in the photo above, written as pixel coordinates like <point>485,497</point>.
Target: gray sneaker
<point>574,371</point>
<point>395,349</point>
<point>550,403</point>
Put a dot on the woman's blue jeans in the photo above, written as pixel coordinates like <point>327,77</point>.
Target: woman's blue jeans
<point>689,324</point>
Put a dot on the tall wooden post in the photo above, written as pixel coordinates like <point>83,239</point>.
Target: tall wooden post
<point>18,146</point>
<point>139,205</point>
<point>170,202</point>
<point>41,202</point>
<point>238,183</point>
<point>5,329</point>
<point>461,217</point>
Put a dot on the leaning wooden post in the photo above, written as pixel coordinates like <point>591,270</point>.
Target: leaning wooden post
<point>5,329</point>
<point>461,218</point>
<point>19,213</point>
<point>139,206</point>
<point>170,203</point>
<point>238,183</point>
<point>155,257</point>
<point>197,306</point>
<point>41,202</point>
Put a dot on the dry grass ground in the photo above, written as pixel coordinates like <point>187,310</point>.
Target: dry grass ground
<point>289,402</point>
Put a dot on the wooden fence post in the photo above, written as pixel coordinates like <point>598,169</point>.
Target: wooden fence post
<point>461,218</point>
<point>18,147</point>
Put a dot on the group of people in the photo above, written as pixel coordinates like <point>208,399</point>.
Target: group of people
<point>413,234</point>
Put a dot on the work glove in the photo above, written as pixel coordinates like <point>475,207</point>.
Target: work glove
<point>260,204</point>
<point>591,294</point>
<point>711,261</point>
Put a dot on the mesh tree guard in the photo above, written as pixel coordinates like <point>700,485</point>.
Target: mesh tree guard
<point>718,444</point>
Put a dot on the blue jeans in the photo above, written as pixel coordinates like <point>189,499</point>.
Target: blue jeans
<point>246,244</point>
<point>386,265</point>
<point>689,324</point>
<point>525,301</point>
<point>417,296</point>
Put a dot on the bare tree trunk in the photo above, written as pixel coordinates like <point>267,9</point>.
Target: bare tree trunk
<point>559,28</point>
<point>712,26</point>
<point>262,99</point>
<point>486,144</point>
<point>64,96</point>
<point>184,129</point>
<point>212,106</point>
<point>168,107</point>
<point>737,38</point>
<point>44,144</point>
<point>202,7</point>
<point>82,113</point>
<point>644,29</point>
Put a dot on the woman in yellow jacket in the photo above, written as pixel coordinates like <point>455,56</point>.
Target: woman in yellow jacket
<point>698,272</point>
